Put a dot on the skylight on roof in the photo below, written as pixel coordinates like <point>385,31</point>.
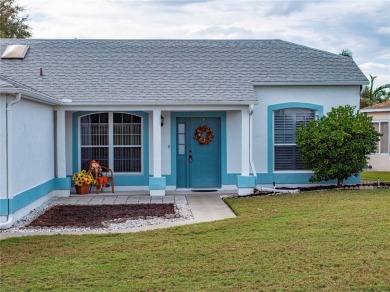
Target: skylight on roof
<point>15,52</point>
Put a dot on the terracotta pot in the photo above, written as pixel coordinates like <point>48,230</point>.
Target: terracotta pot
<point>83,190</point>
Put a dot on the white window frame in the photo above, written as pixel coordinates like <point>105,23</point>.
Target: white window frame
<point>379,122</point>
<point>111,141</point>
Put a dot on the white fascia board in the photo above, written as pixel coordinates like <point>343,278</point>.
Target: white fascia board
<point>375,110</point>
<point>31,95</point>
<point>312,83</point>
<point>158,103</point>
<point>136,107</point>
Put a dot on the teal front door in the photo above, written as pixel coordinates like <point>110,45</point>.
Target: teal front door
<point>198,165</point>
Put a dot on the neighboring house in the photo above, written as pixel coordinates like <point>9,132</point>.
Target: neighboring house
<point>135,105</point>
<point>380,113</point>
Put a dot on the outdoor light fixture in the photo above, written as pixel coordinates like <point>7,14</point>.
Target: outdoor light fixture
<point>162,121</point>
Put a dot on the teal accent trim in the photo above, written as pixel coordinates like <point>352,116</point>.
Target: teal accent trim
<point>171,179</point>
<point>62,183</point>
<point>296,178</point>
<point>3,207</point>
<point>27,197</point>
<point>246,181</point>
<point>230,178</point>
<point>157,183</point>
<point>270,121</point>
<point>120,179</point>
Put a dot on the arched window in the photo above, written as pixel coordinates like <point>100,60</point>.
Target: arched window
<point>286,122</point>
<point>115,139</point>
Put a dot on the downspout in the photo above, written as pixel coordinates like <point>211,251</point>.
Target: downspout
<point>251,109</point>
<point>10,218</point>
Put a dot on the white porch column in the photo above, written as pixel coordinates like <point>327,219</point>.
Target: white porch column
<point>245,142</point>
<point>157,143</point>
<point>157,184</point>
<point>245,182</point>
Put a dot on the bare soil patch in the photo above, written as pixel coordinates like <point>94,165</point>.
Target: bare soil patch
<point>95,216</point>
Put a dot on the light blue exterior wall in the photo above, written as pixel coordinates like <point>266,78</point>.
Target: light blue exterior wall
<point>141,179</point>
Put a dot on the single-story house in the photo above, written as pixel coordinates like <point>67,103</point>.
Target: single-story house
<point>163,114</point>
<point>380,113</point>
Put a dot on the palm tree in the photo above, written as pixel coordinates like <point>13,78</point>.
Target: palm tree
<point>371,96</point>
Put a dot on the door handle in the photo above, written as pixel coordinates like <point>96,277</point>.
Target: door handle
<point>190,157</point>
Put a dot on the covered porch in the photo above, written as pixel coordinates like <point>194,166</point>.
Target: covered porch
<point>154,149</point>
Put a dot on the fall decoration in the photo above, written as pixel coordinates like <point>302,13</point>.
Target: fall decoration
<point>204,135</point>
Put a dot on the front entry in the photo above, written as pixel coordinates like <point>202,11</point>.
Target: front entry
<point>198,158</point>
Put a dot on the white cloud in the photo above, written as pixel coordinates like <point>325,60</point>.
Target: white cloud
<point>375,69</point>
<point>384,30</point>
<point>361,26</point>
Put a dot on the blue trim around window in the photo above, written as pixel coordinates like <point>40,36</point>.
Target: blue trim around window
<point>136,179</point>
<point>295,177</point>
<point>226,179</point>
<point>270,119</point>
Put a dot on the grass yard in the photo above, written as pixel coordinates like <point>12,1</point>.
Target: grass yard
<point>370,176</point>
<point>335,241</point>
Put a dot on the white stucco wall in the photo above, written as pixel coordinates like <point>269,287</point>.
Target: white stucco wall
<point>33,145</point>
<point>233,141</point>
<point>327,96</point>
<point>3,141</point>
<point>379,162</point>
<point>166,144</point>
<point>68,143</point>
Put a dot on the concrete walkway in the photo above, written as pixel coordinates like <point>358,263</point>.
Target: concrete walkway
<point>205,207</point>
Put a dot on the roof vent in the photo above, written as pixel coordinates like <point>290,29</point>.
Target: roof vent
<point>15,52</point>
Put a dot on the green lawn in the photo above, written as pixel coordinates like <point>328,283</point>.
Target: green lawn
<point>372,176</point>
<point>335,241</point>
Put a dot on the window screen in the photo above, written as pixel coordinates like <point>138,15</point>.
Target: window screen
<point>286,122</point>
<point>114,139</point>
<point>382,146</point>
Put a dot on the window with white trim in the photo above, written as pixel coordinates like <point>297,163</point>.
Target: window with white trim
<point>286,122</point>
<point>383,144</point>
<point>114,139</point>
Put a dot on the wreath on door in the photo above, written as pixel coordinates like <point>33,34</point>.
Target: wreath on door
<point>204,135</point>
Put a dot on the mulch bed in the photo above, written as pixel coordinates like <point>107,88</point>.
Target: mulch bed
<point>94,216</point>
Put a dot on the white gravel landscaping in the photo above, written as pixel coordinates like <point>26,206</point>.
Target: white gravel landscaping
<point>183,212</point>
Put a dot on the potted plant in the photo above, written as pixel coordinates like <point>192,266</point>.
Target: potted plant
<point>83,182</point>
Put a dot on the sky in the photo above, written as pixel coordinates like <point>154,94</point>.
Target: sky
<point>361,26</point>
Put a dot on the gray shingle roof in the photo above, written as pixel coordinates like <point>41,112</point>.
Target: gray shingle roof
<point>171,71</point>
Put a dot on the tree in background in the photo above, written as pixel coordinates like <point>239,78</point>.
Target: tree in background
<point>11,24</point>
<point>337,145</point>
<point>346,52</point>
<point>371,95</point>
